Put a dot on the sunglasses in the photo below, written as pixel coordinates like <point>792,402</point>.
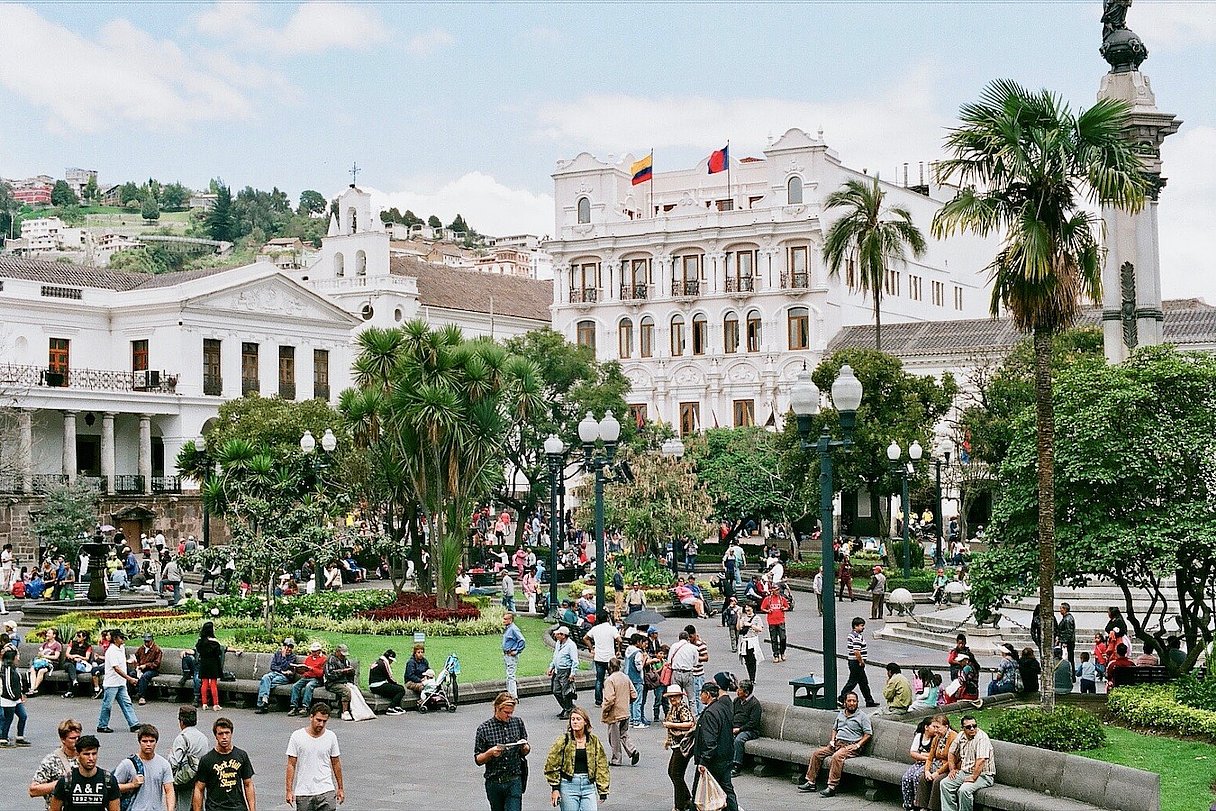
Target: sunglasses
<point>971,726</point>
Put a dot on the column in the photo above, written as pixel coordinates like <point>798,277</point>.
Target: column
<point>145,451</point>
<point>25,449</point>
<point>69,445</point>
<point>107,451</point>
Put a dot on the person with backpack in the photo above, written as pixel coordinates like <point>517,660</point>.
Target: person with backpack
<point>188,749</point>
<point>12,699</point>
<point>145,779</point>
<point>82,787</point>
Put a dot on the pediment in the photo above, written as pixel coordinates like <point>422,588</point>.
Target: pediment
<point>276,296</point>
<point>794,138</point>
<point>582,162</point>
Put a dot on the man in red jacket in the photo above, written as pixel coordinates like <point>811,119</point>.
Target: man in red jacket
<point>774,606</point>
<point>312,673</point>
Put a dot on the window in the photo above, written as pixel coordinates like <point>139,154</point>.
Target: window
<point>890,284</point>
<point>339,266</point>
<point>361,263</point>
<point>799,328</point>
<point>740,268</point>
<point>646,337</point>
<point>287,372</point>
<point>700,334</point>
<point>352,217</point>
<point>793,191</point>
<point>584,282</point>
<point>635,275</point>
<point>249,369</point>
<point>139,356</point>
<point>730,333</point>
<point>624,337</point>
<point>677,336</point>
<point>59,355</point>
<point>637,413</point>
<point>914,290</point>
<point>958,297</point>
<point>690,418</point>
<point>753,331</point>
<point>320,374</point>
<point>939,294</point>
<point>585,334</point>
<point>584,210</point>
<point>745,413</point>
<point>687,282</point>
<point>850,274</point>
<point>797,268</point>
<point>212,376</point>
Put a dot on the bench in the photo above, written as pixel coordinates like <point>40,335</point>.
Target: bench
<point>1140,674</point>
<point>1027,779</point>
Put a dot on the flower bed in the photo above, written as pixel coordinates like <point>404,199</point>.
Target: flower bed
<point>422,607</point>
<point>1153,706</point>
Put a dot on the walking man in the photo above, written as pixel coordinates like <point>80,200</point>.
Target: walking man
<point>619,694</point>
<point>150,779</point>
<point>115,682</point>
<point>86,787</point>
<point>188,749</point>
<point>225,775</point>
<point>500,745</point>
<point>561,670</point>
<point>683,657</point>
<point>971,767</point>
<point>282,671</point>
<point>774,607</point>
<point>602,641</point>
<point>314,765</point>
<point>713,745</point>
<point>856,647</point>
<point>513,645</point>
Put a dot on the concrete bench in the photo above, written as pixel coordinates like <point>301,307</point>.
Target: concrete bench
<point>1139,674</point>
<point>1027,779</point>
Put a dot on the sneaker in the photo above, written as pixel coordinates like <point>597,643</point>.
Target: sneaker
<point>806,787</point>
<point>31,693</point>
<point>136,727</point>
<point>635,757</point>
<point>105,730</point>
<point>22,742</point>
<point>97,694</point>
<point>217,707</point>
<point>872,704</point>
<point>828,792</point>
<point>262,709</point>
<point>68,694</point>
<point>736,770</point>
<point>143,701</point>
<point>294,711</point>
<point>643,725</point>
<point>395,711</point>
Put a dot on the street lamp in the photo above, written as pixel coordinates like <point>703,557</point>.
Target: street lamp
<point>201,445</point>
<point>555,453</point>
<point>894,452</point>
<point>608,431</point>
<point>943,455</point>
<point>672,448</point>
<point>804,401</point>
<point>308,444</point>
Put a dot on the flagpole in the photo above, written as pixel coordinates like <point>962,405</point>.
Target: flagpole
<point>650,186</point>
<point>728,187</point>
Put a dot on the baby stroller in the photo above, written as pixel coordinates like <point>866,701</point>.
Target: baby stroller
<point>434,695</point>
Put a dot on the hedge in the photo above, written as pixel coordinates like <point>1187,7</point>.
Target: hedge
<point>1156,706</point>
<point>1066,729</point>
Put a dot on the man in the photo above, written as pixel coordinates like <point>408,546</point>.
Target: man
<point>1148,658</point>
<point>635,600</point>
<point>601,639</point>
<point>147,666</point>
<point>619,694</point>
<point>152,781</point>
<point>339,676</point>
<point>687,596</point>
<point>1116,664</point>
<point>86,787</point>
<point>745,724</point>
<point>561,670</point>
<point>618,590</point>
<point>878,593</point>
<point>1175,657</point>
<point>850,732</point>
<point>817,586</point>
<point>1066,632</point>
<point>501,744</point>
<point>312,673</point>
<point>415,669</point>
<point>172,576</point>
<point>585,607</point>
<point>508,590</point>
<point>314,765</point>
<point>282,671</point>
<point>898,691</point>
<point>774,607</point>
<point>513,644</point>
<point>698,669</point>
<point>188,749</point>
<point>713,742</point>
<point>684,657</point>
<point>114,683</point>
<point>58,763</point>
<point>855,645</point>
<point>971,767</point>
<point>225,775</point>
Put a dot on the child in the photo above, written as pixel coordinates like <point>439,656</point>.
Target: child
<point>1087,671</point>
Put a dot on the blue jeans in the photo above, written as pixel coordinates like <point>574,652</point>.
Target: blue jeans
<point>740,739</point>
<point>578,794</point>
<point>601,672</point>
<point>637,708</point>
<point>507,796</point>
<point>509,663</point>
<point>690,563</point>
<point>301,692</point>
<point>22,716</point>
<point>268,683</point>
<point>124,704</point>
<point>697,683</point>
<point>145,678</point>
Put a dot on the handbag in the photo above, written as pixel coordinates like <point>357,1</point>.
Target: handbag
<point>665,674</point>
<point>709,796</point>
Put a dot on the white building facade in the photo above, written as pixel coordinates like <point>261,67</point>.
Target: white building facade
<point>711,290</point>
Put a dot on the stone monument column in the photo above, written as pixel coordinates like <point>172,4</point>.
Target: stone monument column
<point>1131,277</point>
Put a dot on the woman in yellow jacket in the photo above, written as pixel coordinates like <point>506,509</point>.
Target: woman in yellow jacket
<point>576,767</point>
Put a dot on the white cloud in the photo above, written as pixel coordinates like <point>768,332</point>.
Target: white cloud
<point>428,42</point>
<point>1172,26</point>
<point>1186,213</point>
<point>485,204</point>
<point>313,27</point>
<point>124,76</point>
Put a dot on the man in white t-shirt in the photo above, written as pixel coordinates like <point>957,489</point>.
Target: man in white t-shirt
<point>314,768</point>
<point>114,682</point>
<point>601,639</point>
<point>154,783</point>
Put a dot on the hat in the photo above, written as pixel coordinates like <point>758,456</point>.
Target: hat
<point>343,649</point>
<point>430,674</point>
<point>147,637</point>
<point>653,629</point>
<point>314,647</point>
<point>10,625</point>
<point>587,592</point>
<point>1010,649</point>
<point>674,690</point>
<point>962,657</point>
<point>877,568</point>
<point>726,681</point>
<point>289,642</point>
<point>561,629</point>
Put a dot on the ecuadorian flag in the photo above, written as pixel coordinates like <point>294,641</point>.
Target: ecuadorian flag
<point>643,170</point>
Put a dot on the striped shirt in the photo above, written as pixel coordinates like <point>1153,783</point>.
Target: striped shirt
<point>855,642</point>
<point>702,657</point>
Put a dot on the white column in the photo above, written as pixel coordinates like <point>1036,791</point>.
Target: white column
<point>69,445</point>
<point>145,451</point>
<point>25,449</point>
<point>107,451</point>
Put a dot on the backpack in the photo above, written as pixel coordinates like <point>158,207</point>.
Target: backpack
<point>127,798</point>
<point>185,772</point>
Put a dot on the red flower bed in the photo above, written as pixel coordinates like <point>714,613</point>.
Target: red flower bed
<point>139,614</point>
<point>422,606</point>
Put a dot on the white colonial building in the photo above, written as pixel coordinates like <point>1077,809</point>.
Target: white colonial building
<point>711,290</point>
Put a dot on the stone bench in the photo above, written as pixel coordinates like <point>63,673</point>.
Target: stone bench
<point>1027,779</point>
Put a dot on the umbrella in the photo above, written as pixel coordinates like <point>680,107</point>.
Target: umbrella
<point>647,616</point>
<point>107,527</point>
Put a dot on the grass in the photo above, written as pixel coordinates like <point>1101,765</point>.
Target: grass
<point>480,656</point>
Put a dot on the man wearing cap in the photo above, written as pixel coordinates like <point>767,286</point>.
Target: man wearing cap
<point>339,675</point>
<point>713,745</point>
<point>114,683</point>
<point>561,670</point>
<point>312,673</point>
<point>282,671</point>
<point>147,666</point>
<point>14,638</point>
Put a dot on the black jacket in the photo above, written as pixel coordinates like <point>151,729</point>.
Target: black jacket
<point>746,714</point>
<point>714,742</point>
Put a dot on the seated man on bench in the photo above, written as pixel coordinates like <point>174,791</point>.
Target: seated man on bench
<point>851,731</point>
<point>687,598</point>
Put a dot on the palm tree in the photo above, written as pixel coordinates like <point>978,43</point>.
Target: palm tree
<point>871,237</point>
<point>1025,161</point>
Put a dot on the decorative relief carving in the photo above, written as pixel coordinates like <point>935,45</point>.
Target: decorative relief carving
<point>268,300</point>
<point>688,376</point>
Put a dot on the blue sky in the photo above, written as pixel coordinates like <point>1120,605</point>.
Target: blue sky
<point>466,106</point>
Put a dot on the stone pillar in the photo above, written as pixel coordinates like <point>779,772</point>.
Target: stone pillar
<point>25,449</point>
<point>69,445</point>
<point>107,451</point>
<point>145,451</point>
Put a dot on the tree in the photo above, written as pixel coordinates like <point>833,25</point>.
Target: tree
<point>1133,505</point>
<point>129,193</point>
<point>91,192</point>
<point>1024,161</point>
<point>221,226</point>
<point>69,514</point>
<point>870,237</point>
<point>459,226</point>
<point>311,202</point>
<point>174,197</point>
<point>275,424</point>
<point>434,222</point>
<point>62,194</point>
<point>150,209</point>
<point>741,471</point>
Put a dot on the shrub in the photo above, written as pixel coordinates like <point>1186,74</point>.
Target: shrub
<point>1157,707</point>
<point>916,581</point>
<point>648,571</point>
<point>262,640</point>
<point>1196,692</point>
<point>334,604</point>
<point>422,607</point>
<point>1066,729</point>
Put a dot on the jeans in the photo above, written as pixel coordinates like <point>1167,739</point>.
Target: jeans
<point>690,563</point>
<point>509,663</point>
<point>145,679</point>
<point>268,683</point>
<point>507,796</point>
<point>578,794</point>
<point>508,601</point>
<point>22,716</point>
<point>959,795</point>
<point>637,707</point>
<point>776,637</point>
<point>601,672</point>
<point>124,704</point>
<point>177,589</point>
<point>301,693</point>
<point>698,681</point>
<point>740,739</point>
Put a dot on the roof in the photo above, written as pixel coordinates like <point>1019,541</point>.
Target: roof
<point>1187,321</point>
<point>468,290</point>
<point>62,273</point>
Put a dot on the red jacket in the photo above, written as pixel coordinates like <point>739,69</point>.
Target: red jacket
<point>314,665</point>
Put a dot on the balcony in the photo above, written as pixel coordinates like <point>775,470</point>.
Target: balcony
<point>213,386</point>
<point>745,284</point>
<point>635,292</point>
<point>287,391</point>
<point>127,485</point>
<point>29,377</point>
<point>250,385</point>
<point>585,295</point>
<point>685,288</point>
<point>320,391</point>
<point>167,484</point>
<point>798,280</point>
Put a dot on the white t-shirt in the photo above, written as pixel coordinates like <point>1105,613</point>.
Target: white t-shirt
<point>151,796</point>
<point>604,637</point>
<point>314,770</point>
<point>116,657</point>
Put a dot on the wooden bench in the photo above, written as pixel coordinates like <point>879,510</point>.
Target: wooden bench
<point>1140,674</point>
<point>1027,779</point>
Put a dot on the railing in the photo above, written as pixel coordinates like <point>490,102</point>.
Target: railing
<point>745,284</point>
<point>213,386</point>
<point>586,295</point>
<point>128,484</point>
<point>287,391</point>
<point>12,484</point>
<point>250,385</point>
<point>320,391</point>
<point>166,484</point>
<point>799,280</point>
<point>97,483</point>
<point>42,482</point>
<point>20,376</point>
<point>635,292</point>
<point>685,288</point>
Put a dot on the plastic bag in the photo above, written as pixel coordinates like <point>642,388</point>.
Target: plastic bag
<point>710,796</point>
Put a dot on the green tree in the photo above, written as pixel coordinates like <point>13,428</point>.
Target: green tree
<point>129,193</point>
<point>221,225</point>
<point>70,512</point>
<point>62,194</point>
<point>275,424</point>
<point>174,197</point>
<point>869,236</point>
<point>91,192</point>
<point>459,226</point>
<point>150,209</point>
<point>741,471</point>
<point>434,222</point>
<point>311,202</point>
<point>1024,162</point>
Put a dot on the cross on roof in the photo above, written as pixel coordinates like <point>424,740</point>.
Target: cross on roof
<point>354,173</point>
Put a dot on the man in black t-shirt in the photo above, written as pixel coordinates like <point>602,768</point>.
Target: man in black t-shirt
<point>86,787</point>
<point>225,775</point>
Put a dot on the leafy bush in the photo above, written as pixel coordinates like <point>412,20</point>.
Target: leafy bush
<point>1196,692</point>
<point>1157,707</point>
<point>650,572</point>
<point>422,607</point>
<point>260,639</point>
<point>333,604</point>
<point>489,623</point>
<point>916,581</point>
<point>895,552</point>
<point>1066,729</point>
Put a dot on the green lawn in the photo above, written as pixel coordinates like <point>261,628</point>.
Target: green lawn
<point>480,656</point>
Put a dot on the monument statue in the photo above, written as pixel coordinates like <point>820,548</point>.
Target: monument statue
<point>1114,16</point>
<point>1121,47</point>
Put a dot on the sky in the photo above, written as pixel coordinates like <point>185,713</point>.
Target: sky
<point>465,107</point>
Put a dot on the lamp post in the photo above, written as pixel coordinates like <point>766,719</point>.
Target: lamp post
<point>804,401</point>
<point>608,431</point>
<point>942,456</point>
<point>555,453</point>
<point>201,445</point>
<point>308,444</point>
<point>894,452</point>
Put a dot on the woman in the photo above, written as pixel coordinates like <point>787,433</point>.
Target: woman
<point>210,663</point>
<point>99,662</point>
<point>1030,670</point>
<point>79,661</point>
<point>750,629</point>
<point>680,725</point>
<point>530,585</point>
<point>931,684</point>
<point>49,655</point>
<point>381,682</point>
<point>576,767</point>
<point>929,789</point>
<point>12,702</point>
<point>920,752</point>
<point>730,621</point>
<point>1006,679</point>
<point>957,653</point>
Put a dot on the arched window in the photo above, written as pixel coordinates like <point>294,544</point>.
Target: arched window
<point>677,336</point>
<point>753,331</point>
<point>352,216</point>
<point>799,328</point>
<point>730,333</point>
<point>584,210</point>
<point>646,337</point>
<point>793,190</point>
<point>339,266</point>
<point>624,338</point>
<point>361,263</point>
<point>700,334</point>
<point>585,334</point>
